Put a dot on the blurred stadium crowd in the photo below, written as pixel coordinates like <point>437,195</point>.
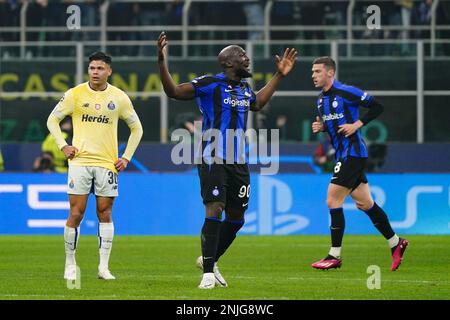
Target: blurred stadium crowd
<point>47,13</point>
<point>301,20</point>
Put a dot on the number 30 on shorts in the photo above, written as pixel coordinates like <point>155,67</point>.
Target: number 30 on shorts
<point>112,177</point>
<point>337,167</point>
<point>244,191</point>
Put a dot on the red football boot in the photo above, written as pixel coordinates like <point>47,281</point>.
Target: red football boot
<point>397,253</point>
<point>329,262</point>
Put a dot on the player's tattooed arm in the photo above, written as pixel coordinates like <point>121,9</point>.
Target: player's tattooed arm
<point>284,66</point>
<point>184,91</point>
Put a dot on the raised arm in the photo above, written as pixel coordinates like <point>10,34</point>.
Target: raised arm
<point>284,66</point>
<point>184,91</point>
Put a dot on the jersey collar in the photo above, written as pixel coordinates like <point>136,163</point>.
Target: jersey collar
<point>230,82</point>
<point>92,90</point>
<point>332,88</point>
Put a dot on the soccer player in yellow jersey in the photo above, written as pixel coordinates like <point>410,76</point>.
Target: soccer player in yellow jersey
<point>95,108</point>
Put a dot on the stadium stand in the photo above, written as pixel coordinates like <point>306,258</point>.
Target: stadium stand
<point>402,63</point>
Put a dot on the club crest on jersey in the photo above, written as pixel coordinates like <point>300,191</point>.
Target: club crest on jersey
<point>71,184</point>
<point>97,106</point>
<point>335,104</point>
<point>111,105</point>
<point>215,192</point>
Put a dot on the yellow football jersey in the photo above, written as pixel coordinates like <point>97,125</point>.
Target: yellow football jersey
<point>95,115</point>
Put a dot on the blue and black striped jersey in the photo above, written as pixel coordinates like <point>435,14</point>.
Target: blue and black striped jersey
<point>224,104</point>
<point>338,106</point>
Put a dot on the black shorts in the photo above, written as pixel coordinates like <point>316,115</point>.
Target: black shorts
<point>227,183</point>
<point>349,173</point>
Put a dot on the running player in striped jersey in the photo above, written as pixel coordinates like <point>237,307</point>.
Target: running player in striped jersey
<point>337,106</point>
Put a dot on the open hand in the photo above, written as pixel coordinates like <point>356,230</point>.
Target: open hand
<point>285,64</point>
<point>162,47</point>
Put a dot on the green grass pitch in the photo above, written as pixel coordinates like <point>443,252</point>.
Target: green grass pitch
<point>256,267</point>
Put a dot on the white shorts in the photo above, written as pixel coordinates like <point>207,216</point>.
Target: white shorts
<point>84,180</point>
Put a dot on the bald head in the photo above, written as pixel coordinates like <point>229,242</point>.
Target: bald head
<point>228,53</point>
<point>234,62</point>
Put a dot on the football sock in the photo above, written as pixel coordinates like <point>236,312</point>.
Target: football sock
<point>228,231</point>
<point>393,242</point>
<point>209,241</point>
<point>337,230</point>
<point>71,236</point>
<point>335,252</point>
<point>381,222</point>
<point>105,239</point>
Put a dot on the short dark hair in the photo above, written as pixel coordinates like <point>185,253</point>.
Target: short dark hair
<point>327,61</point>
<point>100,56</point>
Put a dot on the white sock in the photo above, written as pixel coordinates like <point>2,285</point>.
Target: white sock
<point>393,241</point>
<point>105,238</point>
<point>71,236</point>
<point>335,252</point>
